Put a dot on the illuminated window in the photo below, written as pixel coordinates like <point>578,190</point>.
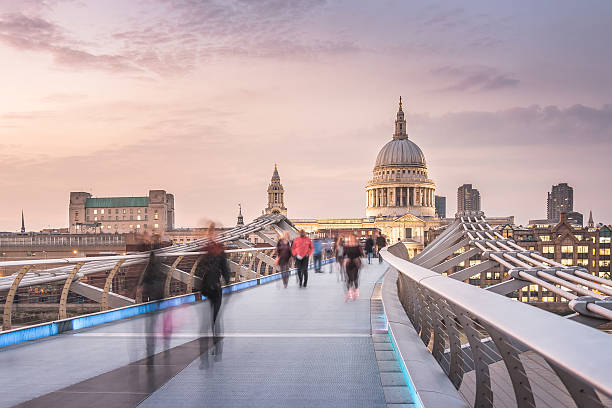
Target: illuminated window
<point>95,211</point>
<point>124,211</point>
<point>548,249</point>
<point>137,225</point>
<point>604,251</point>
<point>548,299</point>
<point>95,218</point>
<point>604,263</point>
<point>567,249</point>
<point>582,262</point>
<point>583,249</point>
<point>567,261</point>
<point>156,216</point>
<point>578,237</point>
<point>131,226</point>
<point>138,217</point>
<point>604,240</point>
<point>139,211</point>
<point>156,226</point>
<point>102,211</point>
<point>545,238</point>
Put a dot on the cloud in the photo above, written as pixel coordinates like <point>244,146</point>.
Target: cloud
<point>37,34</point>
<point>182,34</point>
<point>520,126</point>
<point>474,79</point>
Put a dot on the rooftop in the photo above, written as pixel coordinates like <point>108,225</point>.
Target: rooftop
<point>117,202</point>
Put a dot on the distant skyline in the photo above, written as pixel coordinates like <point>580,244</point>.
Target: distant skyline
<point>202,98</point>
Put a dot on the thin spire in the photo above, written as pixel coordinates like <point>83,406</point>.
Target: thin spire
<point>240,217</point>
<point>22,223</point>
<point>591,223</point>
<point>400,123</point>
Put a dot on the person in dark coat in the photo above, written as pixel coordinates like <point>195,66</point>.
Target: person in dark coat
<point>152,288</point>
<point>211,268</point>
<point>353,254</point>
<point>283,256</point>
<point>153,280</point>
<point>369,248</point>
<point>381,242</point>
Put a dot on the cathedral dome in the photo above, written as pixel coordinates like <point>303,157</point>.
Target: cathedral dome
<point>400,152</point>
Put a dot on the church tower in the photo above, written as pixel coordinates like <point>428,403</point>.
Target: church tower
<point>240,221</point>
<point>276,203</point>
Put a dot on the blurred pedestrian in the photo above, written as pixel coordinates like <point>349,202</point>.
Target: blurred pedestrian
<point>152,288</point>
<point>283,256</point>
<point>317,254</point>
<point>339,251</point>
<point>213,265</point>
<point>353,253</point>
<point>302,249</point>
<point>381,242</point>
<point>369,248</point>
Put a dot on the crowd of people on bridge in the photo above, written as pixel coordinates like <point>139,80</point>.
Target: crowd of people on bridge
<point>212,271</point>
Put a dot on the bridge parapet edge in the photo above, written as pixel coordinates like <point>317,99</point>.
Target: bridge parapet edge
<point>488,344</point>
<point>430,387</point>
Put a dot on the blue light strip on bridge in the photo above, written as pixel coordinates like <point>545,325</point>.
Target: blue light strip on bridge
<point>407,379</point>
<point>29,333</point>
<point>130,311</point>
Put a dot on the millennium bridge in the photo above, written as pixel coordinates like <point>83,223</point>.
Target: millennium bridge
<point>418,336</point>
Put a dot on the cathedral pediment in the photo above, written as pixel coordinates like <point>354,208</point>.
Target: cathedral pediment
<point>409,218</point>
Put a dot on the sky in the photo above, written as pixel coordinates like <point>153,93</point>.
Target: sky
<point>202,97</point>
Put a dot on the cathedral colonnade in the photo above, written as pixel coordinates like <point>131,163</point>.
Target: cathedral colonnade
<point>399,196</point>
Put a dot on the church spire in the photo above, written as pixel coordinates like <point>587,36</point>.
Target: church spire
<point>591,224</point>
<point>400,123</point>
<point>276,203</point>
<point>275,174</point>
<point>22,223</point>
<point>240,217</point>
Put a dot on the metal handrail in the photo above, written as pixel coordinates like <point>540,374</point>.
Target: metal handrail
<point>581,354</point>
<point>119,257</point>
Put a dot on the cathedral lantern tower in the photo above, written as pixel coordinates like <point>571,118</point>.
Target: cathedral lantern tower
<point>276,203</point>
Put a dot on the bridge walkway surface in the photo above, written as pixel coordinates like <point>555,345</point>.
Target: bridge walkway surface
<point>299,347</point>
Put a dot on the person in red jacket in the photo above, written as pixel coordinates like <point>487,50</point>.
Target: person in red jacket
<point>302,249</point>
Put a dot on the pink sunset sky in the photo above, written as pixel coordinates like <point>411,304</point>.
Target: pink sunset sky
<point>201,98</point>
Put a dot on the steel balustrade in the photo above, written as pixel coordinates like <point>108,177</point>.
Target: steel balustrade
<point>471,235</point>
<point>539,350</point>
<point>496,351</point>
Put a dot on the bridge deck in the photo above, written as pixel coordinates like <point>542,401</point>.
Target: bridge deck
<point>282,347</point>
